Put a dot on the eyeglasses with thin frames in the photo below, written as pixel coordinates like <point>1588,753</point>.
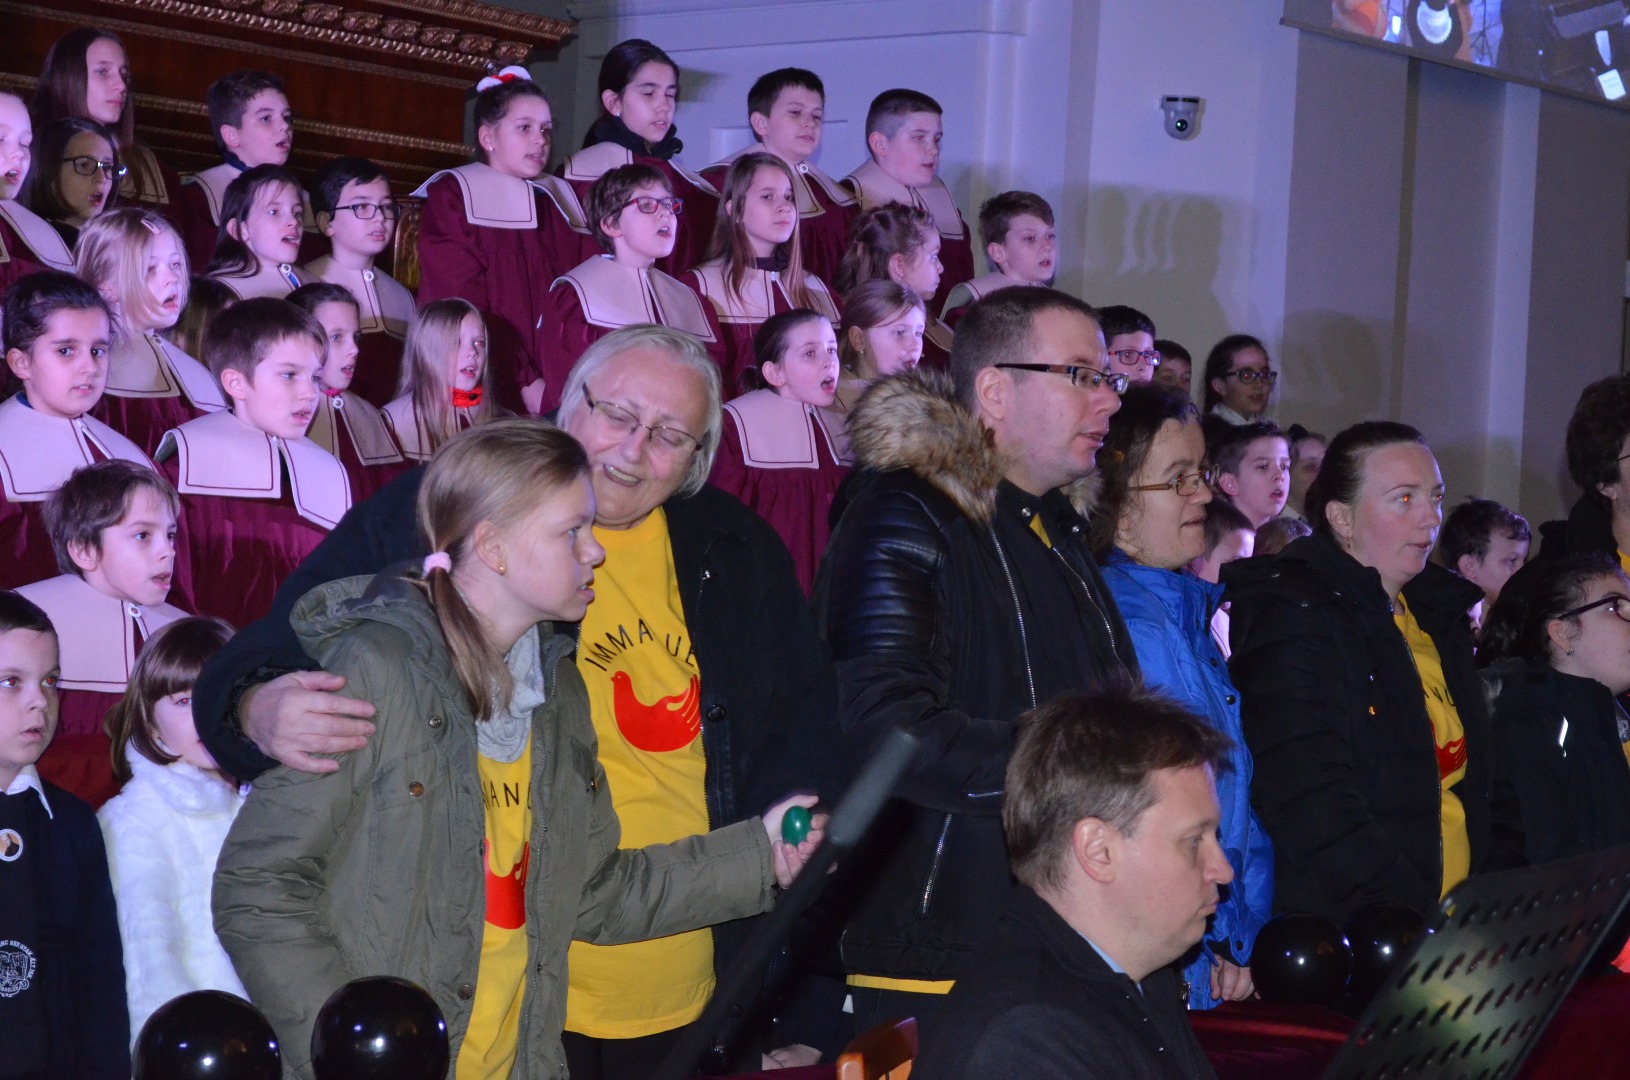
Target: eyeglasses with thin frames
<point>365,211</point>
<point>650,204</point>
<point>1618,605</point>
<point>1247,376</point>
<point>1091,376</point>
<point>1185,486</point>
<point>85,165</point>
<point>1133,358</point>
<point>664,439</point>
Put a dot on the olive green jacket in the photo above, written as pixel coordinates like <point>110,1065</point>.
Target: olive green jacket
<point>377,869</point>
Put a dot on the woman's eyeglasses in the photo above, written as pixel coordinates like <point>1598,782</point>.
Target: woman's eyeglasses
<point>85,165</point>
<point>1618,605</point>
<point>1247,376</point>
<point>1184,485</point>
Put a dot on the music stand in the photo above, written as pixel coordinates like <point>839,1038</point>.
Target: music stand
<point>1477,992</point>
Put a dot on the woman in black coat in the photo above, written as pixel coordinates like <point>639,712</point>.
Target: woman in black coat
<point>1557,650</point>
<point>1376,773</point>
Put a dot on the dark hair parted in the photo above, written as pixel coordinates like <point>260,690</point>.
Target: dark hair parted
<point>891,107</point>
<point>1145,409</point>
<point>1517,624</point>
<point>1170,350</point>
<point>231,94</point>
<point>232,257</point>
<point>878,235</point>
<point>492,105</point>
<point>330,180</point>
<point>1596,433</point>
<point>1001,328</point>
<point>240,336</point>
<point>1093,756</point>
<point>1341,477</point>
<point>1221,361</point>
<point>169,663</point>
<point>762,97</point>
<point>64,86</point>
<point>44,185</point>
<point>314,294</point>
<point>18,613</point>
<point>94,498</point>
<point>1273,536</point>
<point>870,305</point>
<point>996,213</point>
<point>625,59</point>
<point>770,342</point>
<point>1469,527</point>
<point>610,194</point>
<point>1229,444</point>
<point>27,307</point>
<point>1117,319</point>
<point>499,472</point>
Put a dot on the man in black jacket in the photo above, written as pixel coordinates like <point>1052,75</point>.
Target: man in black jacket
<point>956,593</point>
<point>1111,817</point>
<point>645,404</point>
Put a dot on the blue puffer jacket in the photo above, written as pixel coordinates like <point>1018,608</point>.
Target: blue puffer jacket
<point>1168,615</point>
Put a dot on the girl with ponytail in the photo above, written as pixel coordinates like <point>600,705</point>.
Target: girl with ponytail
<point>474,837</point>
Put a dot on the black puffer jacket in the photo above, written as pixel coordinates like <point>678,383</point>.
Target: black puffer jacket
<point>1346,777</point>
<point>948,616</point>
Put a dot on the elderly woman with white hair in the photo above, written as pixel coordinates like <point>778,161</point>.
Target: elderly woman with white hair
<point>709,690</point>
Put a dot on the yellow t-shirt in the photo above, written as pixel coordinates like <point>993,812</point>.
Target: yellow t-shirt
<point>637,658</point>
<point>1450,736</point>
<point>1624,562</point>
<point>488,1050</point>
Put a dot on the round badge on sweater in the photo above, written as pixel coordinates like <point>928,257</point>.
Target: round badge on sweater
<point>11,845</point>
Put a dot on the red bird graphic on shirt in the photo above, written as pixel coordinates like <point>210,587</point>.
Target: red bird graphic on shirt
<point>672,723</point>
<point>1451,757</point>
<point>506,893</point>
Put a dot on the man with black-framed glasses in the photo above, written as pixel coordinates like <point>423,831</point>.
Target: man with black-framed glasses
<point>958,591</point>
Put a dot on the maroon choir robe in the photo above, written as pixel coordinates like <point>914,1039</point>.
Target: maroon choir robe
<point>740,316</point>
<point>499,242</point>
<point>826,210</point>
<point>100,637</point>
<point>152,185</point>
<point>197,214</point>
<point>965,294</point>
<point>37,454</point>
<point>403,422</point>
<point>253,506</point>
<point>357,433</point>
<point>603,295</point>
<point>384,311</point>
<point>153,386</point>
<point>781,457</point>
<point>276,280</point>
<point>874,187</point>
<point>936,346</point>
<point>694,230</point>
<point>28,243</point>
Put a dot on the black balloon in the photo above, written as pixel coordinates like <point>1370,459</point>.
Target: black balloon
<point>1380,934</point>
<point>379,1028</point>
<point>1301,959</point>
<point>207,1035</point>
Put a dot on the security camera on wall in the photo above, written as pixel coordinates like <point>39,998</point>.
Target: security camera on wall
<point>1182,116</point>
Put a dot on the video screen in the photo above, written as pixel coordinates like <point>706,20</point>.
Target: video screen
<point>1579,47</point>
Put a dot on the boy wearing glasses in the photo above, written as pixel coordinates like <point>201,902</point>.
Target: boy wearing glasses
<point>351,199</point>
<point>635,218</point>
<point>1129,336</point>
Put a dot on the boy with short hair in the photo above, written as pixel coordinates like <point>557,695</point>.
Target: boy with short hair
<point>352,204</point>
<point>258,495</point>
<point>250,118</point>
<point>785,109</point>
<point>1176,370</point>
<point>1485,543</point>
<point>62,1006</point>
<point>1129,342</point>
<point>1021,245</point>
<point>634,215</point>
<point>112,527</point>
<point>1253,470</point>
<point>903,133</point>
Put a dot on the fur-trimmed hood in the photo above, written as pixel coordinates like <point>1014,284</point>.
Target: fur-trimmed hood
<point>914,421</point>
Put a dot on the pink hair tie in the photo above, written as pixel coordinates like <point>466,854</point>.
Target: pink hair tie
<point>438,560</point>
<point>505,75</point>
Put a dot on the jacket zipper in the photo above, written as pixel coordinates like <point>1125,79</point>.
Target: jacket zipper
<point>1114,646</point>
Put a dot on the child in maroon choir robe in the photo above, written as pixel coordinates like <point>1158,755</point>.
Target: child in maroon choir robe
<point>446,379</point>
<point>755,266</point>
<point>900,243</point>
<point>27,241</point>
<point>635,216</point>
<point>87,75</point>
<point>785,109</point>
<point>903,133</point>
<point>112,526</point>
<point>779,452</point>
<point>347,426</point>
<point>250,118</point>
<point>81,183</point>
<point>135,259</point>
<point>498,231</point>
<point>351,199</point>
<point>881,335</point>
<point>256,494</point>
<point>57,330</point>
<point>1020,243</point>
<point>639,93</point>
<point>261,225</point>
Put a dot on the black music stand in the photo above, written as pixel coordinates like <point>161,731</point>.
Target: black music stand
<point>1478,991</point>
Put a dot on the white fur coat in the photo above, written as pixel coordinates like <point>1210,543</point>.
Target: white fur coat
<point>164,832</point>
